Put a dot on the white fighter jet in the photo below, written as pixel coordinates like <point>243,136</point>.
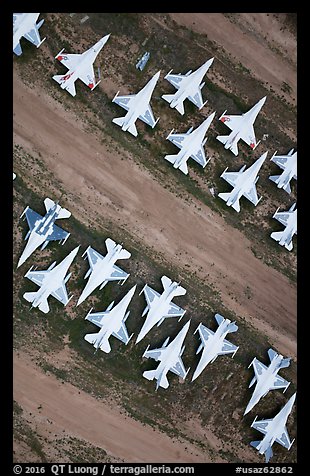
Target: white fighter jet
<point>111,322</point>
<point>160,306</point>
<point>288,163</point>
<point>25,25</point>
<point>244,184</point>
<point>191,144</point>
<point>138,107</point>
<point>43,229</point>
<point>80,66</point>
<point>51,282</point>
<point>214,343</point>
<point>267,378</point>
<point>289,220</point>
<point>189,86</point>
<point>170,359</point>
<point>103,268</point>
<point>274,429</point>
<point>241,128</point>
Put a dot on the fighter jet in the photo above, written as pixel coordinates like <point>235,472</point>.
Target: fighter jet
<point>160,306</point>
<point>267,378</point>
<point>111,322</point>
<point>289,220</point>
<point>189,87</point>
<point>25,25</point>
<point>191,144</point>
<point>241,128</point>
<point>51,282</point>
<point>274,429</point>
<point>138,107</point>
<point>42,229</point>
<point>214,343</point>
<point>244,184</point>
<point>289,165</point>
<point>102,268</point>
<point>170,359</point>
<point>80,66</point>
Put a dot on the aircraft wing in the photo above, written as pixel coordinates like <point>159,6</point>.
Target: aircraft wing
<point>282,217</point>
<point>279,382</point>
<point>57,234</point>
<point>262,425</point>
<point>228,347</point>
<point>96,318</point>
<point>284,439</point>
<point>281,160</point>
<point>61,294</point>
<point>230,177</point>
<point>36,276</point>
<point>69,61</point>
<point>251,195</point>
<point>148,117</point>
<point>32,217</point>
<point>93,256</point>
<point>174,310</point>
<point>150,295</point>
<point>197,99</point>
<point>258,367</point>
<point>205,333</point>
<point>122,334</point>
<point>179,368</point>
<point>249,136</point>
<point>124,101</point>
<point>33,36</point>
<point>200,157</point>
<point>232,122</point>
<point>177,139</point>
<point>88,77</point>
<point>117,274</point>
<point>175,79</point>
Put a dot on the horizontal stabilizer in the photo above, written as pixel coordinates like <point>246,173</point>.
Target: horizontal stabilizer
<point>119,120</point>
<point>105,346</point>
<point>91,338</point>
<point>171,158</point>
<point>163,381</point>
<point>133,130</point>
<point>285,363</point>
<point>224,196</point>
<point>236,206</point>
<point>68,86</point>
<point>44,307</point>
<point>150,374</point>
<point>255,443</point>
<point>287,187</point>
<point>64,213</point>
<point>124,254</point>
<point>180,108</point>
<point>181,291</point>
<point>268,454</point>
<point>30,296</point>
<point>17,50</point>
<point>277,235</point>
<point>183,168</point>
<point>222,139</point>
<point>232,327</point>
<point>289,246</point>
<point>168,97</point>
<point>166,282</point>
<point>274,178</point>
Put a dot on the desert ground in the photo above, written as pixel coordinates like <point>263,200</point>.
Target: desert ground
<point>70,405</point>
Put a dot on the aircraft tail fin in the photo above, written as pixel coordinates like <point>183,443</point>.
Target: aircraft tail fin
<point>62,80</point>
<point>168,97</point>
<point>18,50</point>
<point>30,296</point>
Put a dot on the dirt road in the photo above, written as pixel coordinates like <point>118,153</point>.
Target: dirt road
<point>107,185</point>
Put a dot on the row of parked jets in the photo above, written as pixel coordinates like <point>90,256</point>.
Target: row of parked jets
<point>103,268</point>
<point>111,322</point>
<point>191,143</point>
